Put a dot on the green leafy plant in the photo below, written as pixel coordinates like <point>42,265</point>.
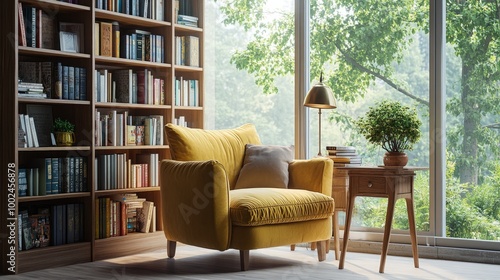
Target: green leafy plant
<point>390,124</point>
<point>61,125</point>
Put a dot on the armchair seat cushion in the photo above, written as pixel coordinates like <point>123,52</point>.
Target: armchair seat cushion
<point>263,206</point>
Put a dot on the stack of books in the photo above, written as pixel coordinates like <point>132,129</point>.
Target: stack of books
<point>187,20</point>
<point>343,154</point>
<point>30,90</point>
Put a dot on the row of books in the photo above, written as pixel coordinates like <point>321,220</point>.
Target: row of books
<point>130,43</point>
<point>38,29</point>
<point>54,225</point>
<point>129,86</point>
<point>30,21</point>
<point>122,214</point>
<point>50,80</point>
<point>153,9</point>
<point>181,121</point>
<point>53,176</point>
<point>115,128</point>
<point>116,171</point>
<point>343,154</point>
<point>27,135</point>
<point>187,92</point>
<point>187,50</point>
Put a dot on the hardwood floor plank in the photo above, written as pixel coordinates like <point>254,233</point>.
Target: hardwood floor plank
<point>273,263</point>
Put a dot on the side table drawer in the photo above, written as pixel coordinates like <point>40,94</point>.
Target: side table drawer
<point>370,185</point>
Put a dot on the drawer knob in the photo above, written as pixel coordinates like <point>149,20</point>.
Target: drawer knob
<point>370,184</point>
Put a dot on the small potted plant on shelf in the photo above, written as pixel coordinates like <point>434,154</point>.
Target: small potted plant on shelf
<point>393,126</point>
<point>64,132</point>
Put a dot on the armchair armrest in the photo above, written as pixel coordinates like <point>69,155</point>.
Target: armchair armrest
<point>195,203</point>
<point>314,174</point>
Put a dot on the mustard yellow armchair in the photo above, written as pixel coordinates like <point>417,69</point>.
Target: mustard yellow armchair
<point>201,207</point>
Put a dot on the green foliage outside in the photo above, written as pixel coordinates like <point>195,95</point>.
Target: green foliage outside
<point>371,50</point>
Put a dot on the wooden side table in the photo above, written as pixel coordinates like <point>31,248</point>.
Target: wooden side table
<point>390,182</point>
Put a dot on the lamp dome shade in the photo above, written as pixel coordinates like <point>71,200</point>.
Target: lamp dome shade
<point>320,96</point>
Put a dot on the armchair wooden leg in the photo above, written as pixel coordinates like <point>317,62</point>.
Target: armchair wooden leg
<point>321,245</point>
<point>171,248</point>
<point>313,246</point>
<point>292,247</point>
<point>244,259</point>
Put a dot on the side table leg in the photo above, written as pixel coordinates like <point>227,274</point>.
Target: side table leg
<point>387,231</point>
<point>347,227</point>
<point>336,237</point>
<point>413,230</point>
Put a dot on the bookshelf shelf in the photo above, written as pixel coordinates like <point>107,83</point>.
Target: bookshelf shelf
<point>130,20</point>
<point>53,101</point>
<point>52,5</point>
<point>115,61</point>
<point>24,199</point>
<point>50,53</point>
<point>130,190</point>
<point>181,28</point>
<point>131,106</point>
<point>183,68</point>
<point>55,149</point>
<point>139,147</point>
<point>43,258</point>
<point>188,108</point>
<point>132,243</point>
<point>40,69</point>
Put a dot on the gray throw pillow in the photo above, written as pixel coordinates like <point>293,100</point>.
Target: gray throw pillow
<point>265,167</point>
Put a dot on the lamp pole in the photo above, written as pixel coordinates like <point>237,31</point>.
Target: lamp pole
<point>319,129</point>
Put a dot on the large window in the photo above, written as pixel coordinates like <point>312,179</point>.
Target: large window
<point>472,119</point>
<point>370,51</point>
<point>249,62</point>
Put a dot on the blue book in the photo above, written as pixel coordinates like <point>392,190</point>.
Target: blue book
<point>84,175</point>
<point>55,176</point>
<point>78,174</point>
<point>65,82</point>
<point>71,174</point>
<point>134,8</point>
<point>83,84</point>
<point>22,182</point>
<point>134,46</point>
<point>77,83</point>
<point>71,83</point>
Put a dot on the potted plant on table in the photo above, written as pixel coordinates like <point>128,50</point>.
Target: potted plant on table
<point>393,126</point>
<point>64,132</point>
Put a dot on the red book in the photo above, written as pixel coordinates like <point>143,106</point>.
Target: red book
<point>123,218</point>
<point>21,30</point>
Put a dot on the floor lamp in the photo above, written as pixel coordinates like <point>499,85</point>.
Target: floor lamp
<point>320,96</point>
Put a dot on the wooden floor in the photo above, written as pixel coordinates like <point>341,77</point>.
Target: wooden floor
<point>274,263</point>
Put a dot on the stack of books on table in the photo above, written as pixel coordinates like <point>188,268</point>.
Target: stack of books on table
<point>343,154</point>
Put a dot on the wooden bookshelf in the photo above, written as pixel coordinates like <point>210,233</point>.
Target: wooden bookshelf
<point>83,114</point>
